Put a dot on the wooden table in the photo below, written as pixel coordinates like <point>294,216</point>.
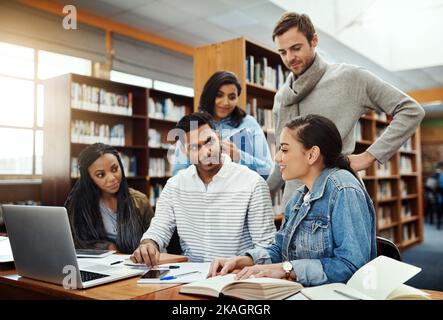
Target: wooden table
<point>12,286</point>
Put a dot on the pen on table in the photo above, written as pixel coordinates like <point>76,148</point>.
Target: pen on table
<point>178,275</point>
<point>347,295</point>
<point>116,262</point>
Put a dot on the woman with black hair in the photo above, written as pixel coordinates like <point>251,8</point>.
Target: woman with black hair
<point>247,145</point>
<point>104,212</point>
<point>329,226</point>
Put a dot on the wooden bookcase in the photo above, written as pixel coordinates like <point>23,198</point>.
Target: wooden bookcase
<point>256,98</point>
<point>61,146</point>
<point>395,188</point>
<point>404,230</point>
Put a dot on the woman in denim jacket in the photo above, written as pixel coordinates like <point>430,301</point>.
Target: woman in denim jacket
<point>329,228</point>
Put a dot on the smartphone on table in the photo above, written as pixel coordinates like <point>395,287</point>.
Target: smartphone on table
<point>154,274</point>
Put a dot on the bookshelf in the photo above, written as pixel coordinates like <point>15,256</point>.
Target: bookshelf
<point>260,71</point>
<point>394,187</point>
<point>81,110</point>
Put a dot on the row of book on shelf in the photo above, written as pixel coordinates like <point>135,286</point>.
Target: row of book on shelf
<point>263,116</point>
<point>259,71</point>
<point>165,109</point>
<point>408,233</point>
<point>405,167</point>
<point>386,213</point>
<point>385,189</point>
<point>159,168</point>
<point>155,140</point>
<point>89,132</point>
<point>98,99</point>
<point>129,165</point>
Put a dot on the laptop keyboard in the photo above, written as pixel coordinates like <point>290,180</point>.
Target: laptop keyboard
<point>89,276</point>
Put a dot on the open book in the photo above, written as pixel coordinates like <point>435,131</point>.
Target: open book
<point>379,279</point>
<point>249,289</point>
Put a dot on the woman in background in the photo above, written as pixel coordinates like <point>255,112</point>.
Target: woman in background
<point>104,212</point>
<point>249,146</point>
<point>329,228</point>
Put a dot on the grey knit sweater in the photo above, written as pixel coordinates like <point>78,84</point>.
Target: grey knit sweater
<point>343,93</point>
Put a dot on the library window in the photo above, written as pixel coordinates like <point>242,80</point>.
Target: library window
<point>52,64</point>
<point>17,103</point>
<point>127,78</point>
<point>173,88</point>
<point>16,155</point>
<point>16,61</point>
<point>22,71</point>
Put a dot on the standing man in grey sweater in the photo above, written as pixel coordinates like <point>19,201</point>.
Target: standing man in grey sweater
<point>340,92</point>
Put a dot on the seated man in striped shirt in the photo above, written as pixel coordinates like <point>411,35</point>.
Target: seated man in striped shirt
<point>220,208</point>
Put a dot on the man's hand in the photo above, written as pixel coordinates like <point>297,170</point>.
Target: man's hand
<point>361,161</point>
<point>147,253</point>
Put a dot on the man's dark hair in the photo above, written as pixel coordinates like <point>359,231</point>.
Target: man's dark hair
<point>290,20</point>
<point>200,118</point>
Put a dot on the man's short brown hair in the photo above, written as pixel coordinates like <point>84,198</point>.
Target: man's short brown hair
<point>292,19</point>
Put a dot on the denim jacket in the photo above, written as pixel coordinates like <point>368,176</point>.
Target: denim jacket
<point>255,154</point>
<point>327,237</point>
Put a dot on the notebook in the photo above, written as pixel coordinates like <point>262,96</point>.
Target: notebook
<point>248,289</point>
<point>381,279</point>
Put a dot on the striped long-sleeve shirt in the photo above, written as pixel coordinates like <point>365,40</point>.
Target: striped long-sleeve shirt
<point>230,215</point>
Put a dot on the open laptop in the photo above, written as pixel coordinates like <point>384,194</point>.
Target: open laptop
<point>43,249</point>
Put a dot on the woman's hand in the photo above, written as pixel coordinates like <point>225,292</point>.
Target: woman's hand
<point>274,270</point>
<point>222,266</point>
<point>231,150</point>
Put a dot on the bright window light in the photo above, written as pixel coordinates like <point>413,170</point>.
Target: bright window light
<point>16,154</point>
<point>173,88</point>
<point>40,104</point>
<point>39,152</point>
<point>16,60</point>
<point>130,79</point>
<point>16,103</point>
<point>52,64</point>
